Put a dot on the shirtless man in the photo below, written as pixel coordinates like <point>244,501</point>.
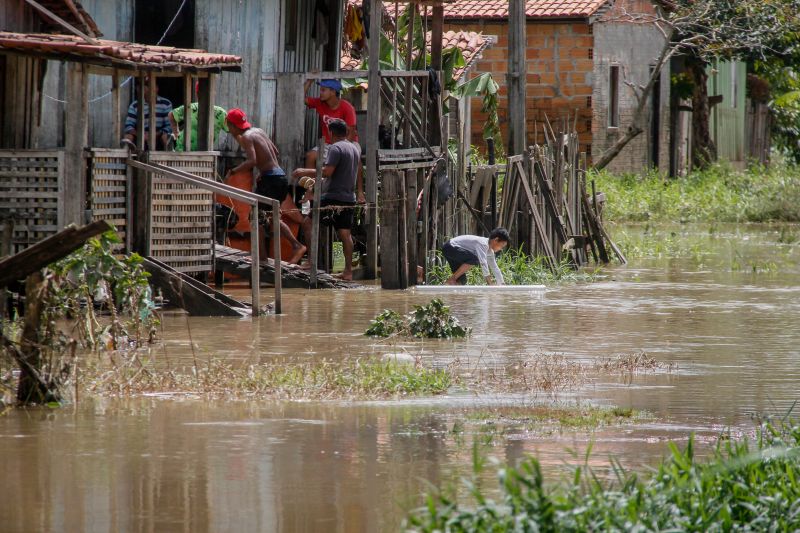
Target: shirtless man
<point>262,154</point>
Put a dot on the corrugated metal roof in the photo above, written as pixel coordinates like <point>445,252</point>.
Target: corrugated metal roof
<point>116,53</point>
<point>471,44</point>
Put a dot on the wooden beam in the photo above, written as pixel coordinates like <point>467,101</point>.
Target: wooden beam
<point>517,76</point>
<point>205,115</point>
<point>55,18</point>
<point>373,120</point>
<point>51,249</point>
<point>187,112</point>
<point>152,104</point>
<point>76,133</point>
<point>116,111</point>
<point>140,112</point>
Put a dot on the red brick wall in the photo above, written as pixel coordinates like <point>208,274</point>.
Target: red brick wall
<point>559,73</point>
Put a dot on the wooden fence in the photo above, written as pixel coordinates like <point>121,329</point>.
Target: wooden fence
<point>31,195</point>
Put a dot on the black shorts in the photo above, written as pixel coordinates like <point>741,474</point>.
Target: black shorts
<point>273,184</point>
<point>456,257</point>
<point>340,217</point>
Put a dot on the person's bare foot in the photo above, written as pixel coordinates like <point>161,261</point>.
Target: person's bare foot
<point>345,276</point>
<point>297,255</point>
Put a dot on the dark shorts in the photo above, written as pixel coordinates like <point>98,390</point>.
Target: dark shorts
<point>339,218</point>
<point>456,257</point>
<point>273,184</point>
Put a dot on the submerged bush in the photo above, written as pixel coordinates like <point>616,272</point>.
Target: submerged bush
<point>745,486</point>
<point>720,193</point>
<point>432,321</point>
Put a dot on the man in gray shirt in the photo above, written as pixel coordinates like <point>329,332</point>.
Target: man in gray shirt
<point>466,251</point>
<point>338,196</point>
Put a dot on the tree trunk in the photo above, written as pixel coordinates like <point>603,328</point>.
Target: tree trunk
<point>31,388</point>
<point>704,151</point>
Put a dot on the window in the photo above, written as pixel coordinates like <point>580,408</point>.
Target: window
<point>613,97</point>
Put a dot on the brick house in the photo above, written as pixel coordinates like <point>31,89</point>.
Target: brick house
<point>579,55</point>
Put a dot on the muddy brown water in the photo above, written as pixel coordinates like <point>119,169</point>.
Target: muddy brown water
<point>725,310</point>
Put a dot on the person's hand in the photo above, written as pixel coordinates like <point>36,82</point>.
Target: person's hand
<point>361,199</point>
<point>296,173</point>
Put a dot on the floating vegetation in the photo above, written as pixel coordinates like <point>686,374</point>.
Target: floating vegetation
<point>367,378</point>
<point>745,485</point>
<point>635,362</point>
<point>432,321</point>
<point>546,419</point>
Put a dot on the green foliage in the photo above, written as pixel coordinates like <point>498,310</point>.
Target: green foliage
<point>720,194</point>
<point>432,321</point>
<point>485,86</point>
<point>682,85</point>
<point>518,269</point>
<point>744,486</point>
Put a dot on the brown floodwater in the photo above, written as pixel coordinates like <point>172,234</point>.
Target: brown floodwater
<point>722,303</point>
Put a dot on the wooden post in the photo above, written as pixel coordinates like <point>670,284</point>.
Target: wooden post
<point>76,128</point>
<point>408,101</point>
<point>402,229</point>
<point>140,113</point>
<point>437,26</point>
<point>116,112</point>
<point>373,121</point>
<point>139,218</point>
<point>517,76</point>
<point>187,112</point>
<point>315,213</point>
<point>152,103</point>
<point>423,186</point>
<point>411,225</point>
<point>255,270</point>
<point>390,245</point>
<point>276,254</point>
<point>205,107</point>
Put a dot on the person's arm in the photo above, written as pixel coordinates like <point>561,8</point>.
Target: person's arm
<point>498,275</point>
<point>130,120</point>
<point>327,172</point>
<point>249,153</point>
<point>350,120</point>
<point>175,116</point>
<point>483,261</point>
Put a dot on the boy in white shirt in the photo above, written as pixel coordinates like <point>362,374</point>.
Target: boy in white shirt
<point>466,251</point>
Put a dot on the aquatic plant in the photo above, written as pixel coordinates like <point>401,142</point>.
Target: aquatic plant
<point>745,485</point>
<point>361,378</point>
<point>517,268</point>
<point>719,193</point>
<point>432,321</point>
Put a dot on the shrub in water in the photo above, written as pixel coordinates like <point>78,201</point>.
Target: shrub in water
<point>432,321</point>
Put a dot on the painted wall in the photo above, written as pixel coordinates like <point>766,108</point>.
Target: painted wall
<point>634,48</point>
<point>728,79</point>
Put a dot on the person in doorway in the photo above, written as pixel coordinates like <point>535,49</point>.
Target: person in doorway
<point>262,154</point>
<point>330,106</point>
<point>177,122</point>
<point>163,127</point>
<point>338,194</point>
<point>467,251</point>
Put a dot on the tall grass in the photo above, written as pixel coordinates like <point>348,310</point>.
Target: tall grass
<point>517,268</point>
<point>745,485</point>
<point>720,193</point>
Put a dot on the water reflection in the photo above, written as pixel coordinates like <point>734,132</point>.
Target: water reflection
<point>190,465</point>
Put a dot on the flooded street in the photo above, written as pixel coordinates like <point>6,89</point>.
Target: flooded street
<point>722,303</point>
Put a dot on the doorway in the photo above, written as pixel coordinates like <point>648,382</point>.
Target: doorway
<point>169,23</point>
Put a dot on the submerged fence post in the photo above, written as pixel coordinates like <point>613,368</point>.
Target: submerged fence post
<point>276,246</point>
<point>255,268</point>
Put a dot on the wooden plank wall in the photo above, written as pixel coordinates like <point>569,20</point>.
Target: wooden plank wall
<point>110,183</point>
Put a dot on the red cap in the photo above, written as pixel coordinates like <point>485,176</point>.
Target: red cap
<point>237,117</point>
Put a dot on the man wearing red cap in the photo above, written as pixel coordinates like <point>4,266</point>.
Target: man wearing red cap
<point>329,106</point>
<point>261,153</point>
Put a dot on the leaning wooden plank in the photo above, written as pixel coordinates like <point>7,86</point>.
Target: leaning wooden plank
<point>51,249</point>
<point>194,297</point>
<point>237,262</point>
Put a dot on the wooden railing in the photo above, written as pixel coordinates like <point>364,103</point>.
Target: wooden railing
<point>253,200</point>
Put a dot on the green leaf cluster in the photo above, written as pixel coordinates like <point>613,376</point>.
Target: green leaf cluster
<point>745,485</point>
<point>432,321</point>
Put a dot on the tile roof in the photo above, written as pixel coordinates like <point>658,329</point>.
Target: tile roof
<point>116,53</point>
<point>498,9</point>
<point>72,12</point>
<point>470,43</point>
